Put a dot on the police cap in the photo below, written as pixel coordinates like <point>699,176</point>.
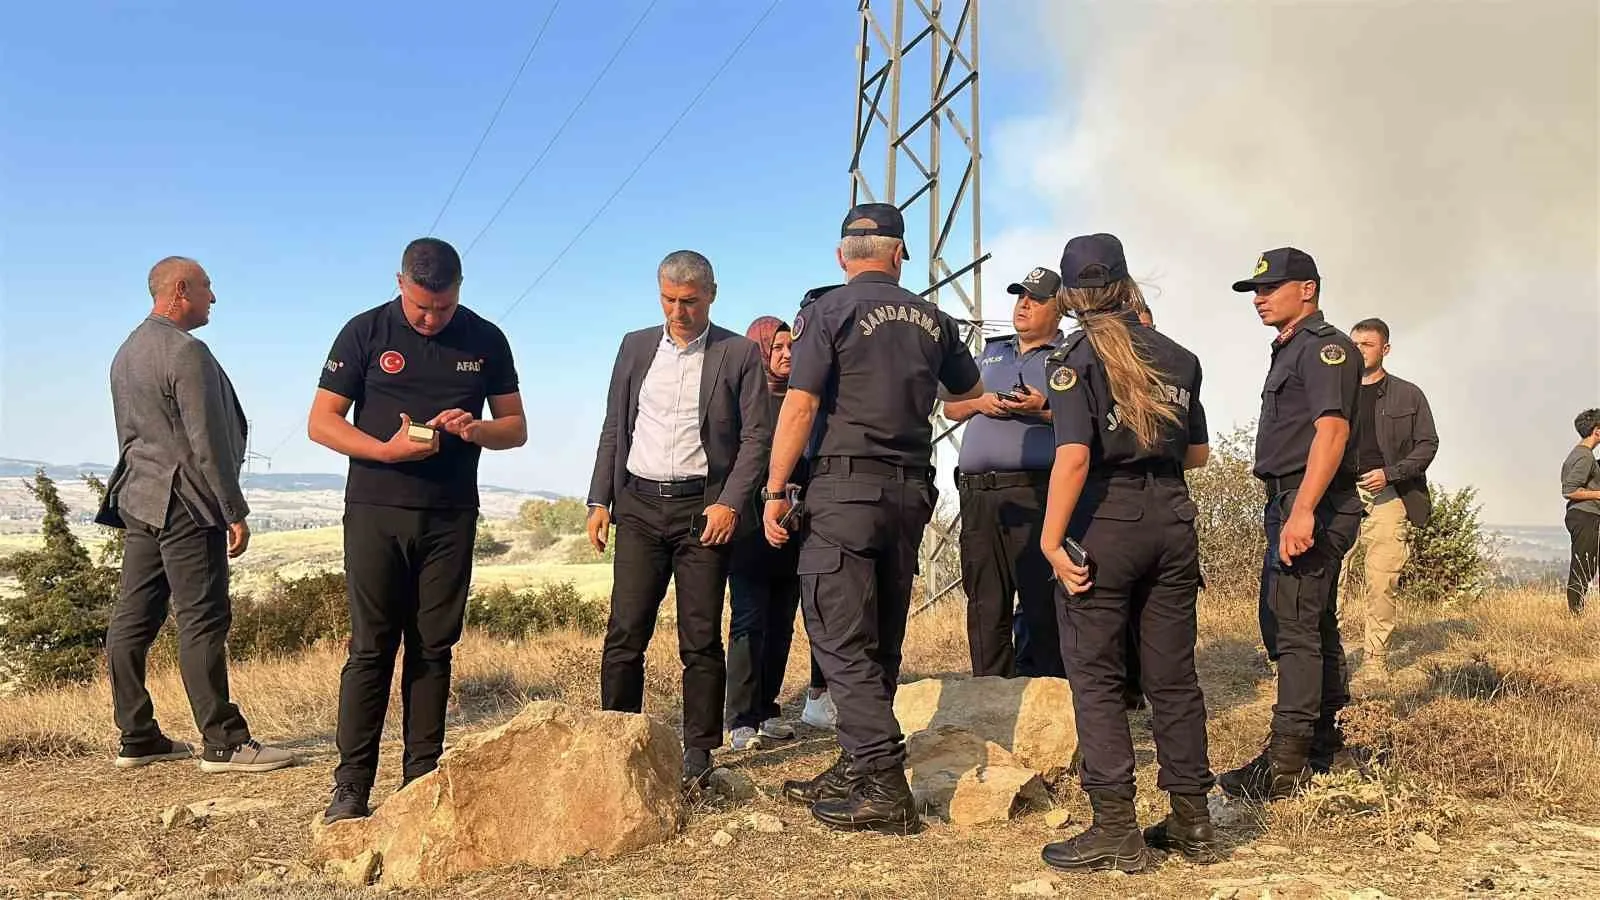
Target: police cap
<point>1280,265</point>
<point>876,220</point>
<point>1093,260</point>
<point>1041,284</point>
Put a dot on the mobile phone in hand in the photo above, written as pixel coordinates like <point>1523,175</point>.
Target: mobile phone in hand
<point>1007,396</point>
<point>1075,552</point>
<point>697,526</point>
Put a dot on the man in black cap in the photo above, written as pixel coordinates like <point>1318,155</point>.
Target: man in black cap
<point>1002,475</point>
<point>1306,457</point>
<point>869,358</point>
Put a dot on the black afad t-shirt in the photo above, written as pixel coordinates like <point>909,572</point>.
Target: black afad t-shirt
<point>386,368</point>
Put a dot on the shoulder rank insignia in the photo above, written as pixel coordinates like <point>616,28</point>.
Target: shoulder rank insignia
<point>1332,354</point>
<point>1063,379</point>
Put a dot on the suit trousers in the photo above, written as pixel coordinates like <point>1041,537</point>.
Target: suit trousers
<point>1145,567</point>
<point>407,572</point>
<point>1298,608</point>
<point>858,557</point>
<point>183,566</point>
<point>655,546</point>
<point>1001,565</point>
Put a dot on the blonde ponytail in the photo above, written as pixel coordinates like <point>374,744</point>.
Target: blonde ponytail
<point>1136,385</point>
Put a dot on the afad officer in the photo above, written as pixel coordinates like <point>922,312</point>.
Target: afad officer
<point>1306,457</point>
<point>869,358</point>
<point>1128,421</point>
<point>419,370</point>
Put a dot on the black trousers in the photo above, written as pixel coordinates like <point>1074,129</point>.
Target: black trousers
<point>182,566</point>
<point>1001,565</point>
<point>858,557</point>
<point>655,546</point>
<point>765,593</point>
<point>1145,567</point>
<point>407,572</point>
<point>1585,530</point>
<point>1299,611</point>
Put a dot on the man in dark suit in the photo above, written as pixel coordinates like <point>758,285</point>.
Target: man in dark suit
<point>175,489</point>
<point>681,452</point>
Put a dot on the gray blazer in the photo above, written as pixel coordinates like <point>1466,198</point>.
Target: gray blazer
<point>735,421</point>
<point>180,431</point>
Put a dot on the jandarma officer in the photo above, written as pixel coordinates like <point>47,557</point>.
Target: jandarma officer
<point>1125,431</point>
<point>1306,458</point>
<point>868,360</point>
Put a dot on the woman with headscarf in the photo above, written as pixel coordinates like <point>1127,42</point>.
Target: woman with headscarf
<point>766,595</point>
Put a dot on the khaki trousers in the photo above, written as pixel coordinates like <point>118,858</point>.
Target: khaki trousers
<point>1384,532</point>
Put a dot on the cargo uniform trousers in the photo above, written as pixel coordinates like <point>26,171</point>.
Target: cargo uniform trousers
<point>1001,564</point>
<point>857,561</point>
<point>1383,534</point>
<point>1299,613</point>
<point>1144,565</point>
<point>407,572</point>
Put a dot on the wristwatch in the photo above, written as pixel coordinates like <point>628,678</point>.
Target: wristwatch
<point>769,496</point>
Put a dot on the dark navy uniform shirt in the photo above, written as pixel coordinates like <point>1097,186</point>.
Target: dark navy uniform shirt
<point>875,354</point>
<point>386,368</point>
<point>1018,441</point>
<point>1085,412</point>
<point>1315,371</point>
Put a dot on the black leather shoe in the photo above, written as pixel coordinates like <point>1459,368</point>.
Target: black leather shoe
<point>696,768</point>
<point>1112,841</point>
<point>349,802</point>
<point>1187,830</point>
<point>878,801</point>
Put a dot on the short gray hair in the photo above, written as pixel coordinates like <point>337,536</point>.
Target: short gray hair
<point>869,246</point>
<point>164,272</point>
<point>687,267</point>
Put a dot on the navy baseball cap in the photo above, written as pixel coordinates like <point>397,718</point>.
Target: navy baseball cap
<point>1041,284</point>
<point>1278,266</point>
<point>876,220</point>
<point>1093,260</point>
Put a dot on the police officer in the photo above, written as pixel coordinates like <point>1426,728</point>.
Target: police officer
<point>1002,476</point>
<point>1128,422</point>
<point>869,357</point>
<point>419,370</point>
<point>1306,457</point>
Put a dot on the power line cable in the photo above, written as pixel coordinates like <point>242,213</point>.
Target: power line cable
<point>628,38</point>
<point>537,38</point>
<point>648,154</point>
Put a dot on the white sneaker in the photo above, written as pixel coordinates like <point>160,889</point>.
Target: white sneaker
<point>820,712</point>
<point>776,729</point>
<point>744,738</point>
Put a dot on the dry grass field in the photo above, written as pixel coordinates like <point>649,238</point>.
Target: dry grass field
<point>1489,733</point>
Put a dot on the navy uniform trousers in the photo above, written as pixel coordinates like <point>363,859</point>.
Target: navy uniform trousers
<point>1299,612</point>
<point>857,561</point>
<point>1144,566</point>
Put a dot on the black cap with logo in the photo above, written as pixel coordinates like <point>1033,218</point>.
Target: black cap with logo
<point>876,220</point>
<point>1041,284</point>
<point>1093,260</point>
<point>1278,266</point>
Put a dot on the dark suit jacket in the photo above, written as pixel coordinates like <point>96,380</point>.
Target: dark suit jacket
<point>180,431</point>
<point>1408,440</point>
<point>735,421</point>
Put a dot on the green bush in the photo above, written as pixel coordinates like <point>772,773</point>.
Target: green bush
<point>1230,501</point>
<point>538,538</point>
<point>502,612</point>
<point>559,517</point>
<point>485,545</point>
<point>580,553</point>
<point>292,615</point>
<point>1452,558</point>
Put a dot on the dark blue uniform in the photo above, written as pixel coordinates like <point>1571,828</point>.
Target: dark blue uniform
<point>875,354</point>
<point>1135,519</point>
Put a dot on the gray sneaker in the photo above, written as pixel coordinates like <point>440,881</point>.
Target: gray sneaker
<point>744,738</point>
<point>777,729</point>
<point>249,756</point>
<point>160,750</point>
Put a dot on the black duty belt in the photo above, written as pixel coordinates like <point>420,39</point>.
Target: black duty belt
<point>686,488</point>
<point>845,465</point>
<point>1139,471</point>
<point>1013,478</point>
<point>1276,485</point>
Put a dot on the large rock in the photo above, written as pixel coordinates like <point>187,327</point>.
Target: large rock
<point>967,780</point>
<point>1031,718</point>
<point>552,783</point>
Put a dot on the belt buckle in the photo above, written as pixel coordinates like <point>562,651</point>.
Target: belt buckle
<point>990,480</point>
<point>663,489</point>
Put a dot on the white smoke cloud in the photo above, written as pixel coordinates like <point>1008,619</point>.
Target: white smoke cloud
<point>1438,159</point>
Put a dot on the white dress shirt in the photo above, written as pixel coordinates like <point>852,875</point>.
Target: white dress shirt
<point>666,435</point>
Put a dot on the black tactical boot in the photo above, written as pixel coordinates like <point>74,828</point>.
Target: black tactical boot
<point>878,801</point>
<point>1187,830</point>
<point>831,784</point>
<point>1112,841</point>
<point>1280,771</point>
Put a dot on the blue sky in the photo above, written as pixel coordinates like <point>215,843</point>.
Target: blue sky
<point>295,148</point>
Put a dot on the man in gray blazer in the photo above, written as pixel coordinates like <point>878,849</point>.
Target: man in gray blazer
<point>681,454</point>
<point>175,490</point>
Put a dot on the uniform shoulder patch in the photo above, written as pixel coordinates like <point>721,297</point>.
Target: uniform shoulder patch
<point>1332,354</point>
<point>1064,378</point>
<point>799,326</point>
